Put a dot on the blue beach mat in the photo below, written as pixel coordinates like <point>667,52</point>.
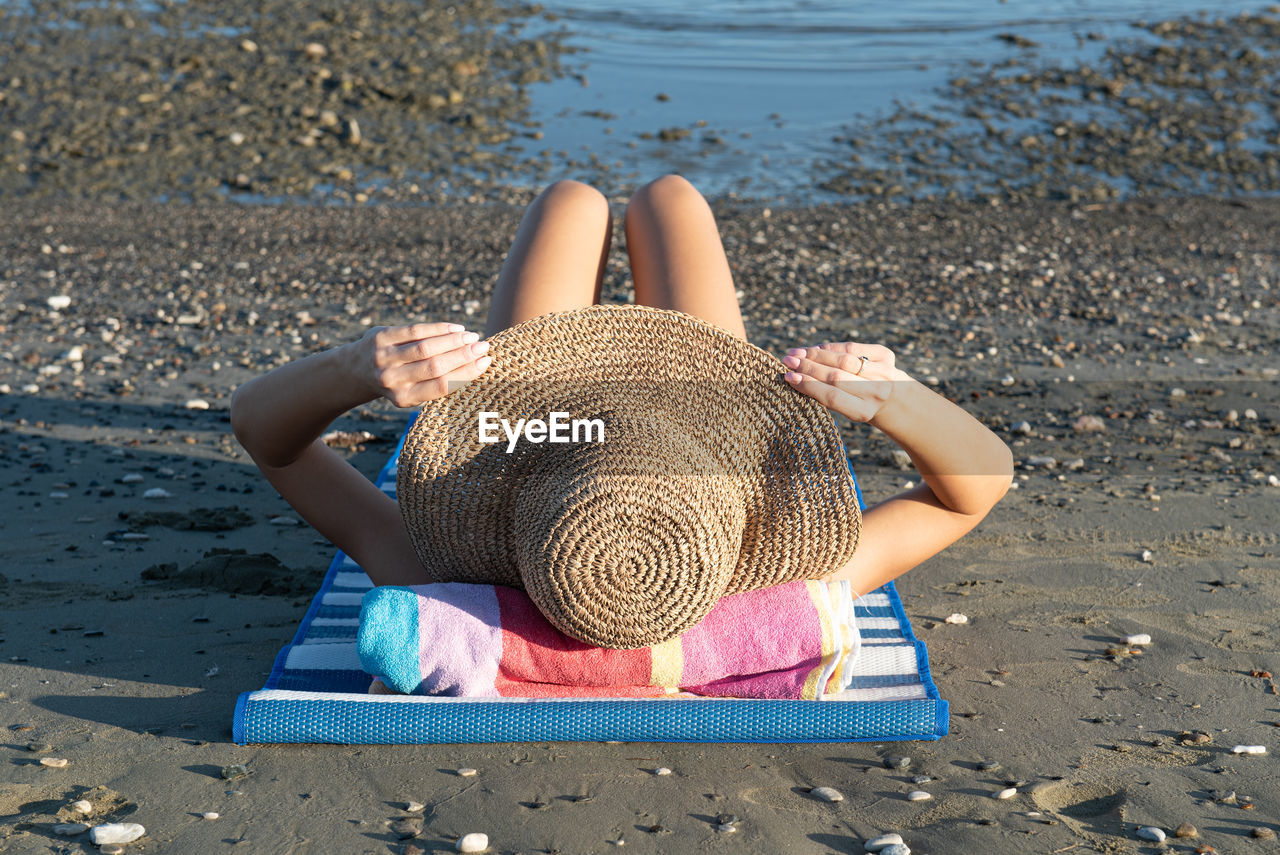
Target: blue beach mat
<point>317,692</point>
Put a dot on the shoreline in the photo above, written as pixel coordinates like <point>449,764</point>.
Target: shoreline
<point>133,681</point>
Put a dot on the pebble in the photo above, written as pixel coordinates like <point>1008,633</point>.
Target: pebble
<point>236,770</point>
<point>662,770</point>
<point>896,762</point>
<point>921,779</point>
<point>1006,793</point>
<point>69,829</point>
<point>1089,424</point>
<point>876,844</point>
<point>727,827</point>
<point>1150,832</point>
<point>1140,638</point>
<point>1023,428</point>
<point>39,746</point>
<point>1249,749</point>
<point>116,832</point>
<point>197,404</point>
<point>282,521</point>
<point>210,814</point>
<point>1146,556</point>
<point>1263,833</point>
<point>1186,830</point>
<point>82,806</point>
<point>1042,461</point>
<point>413,807</point>
<point>827,794</point>
<point>131,478</point>
<point>53,762</point>
<point>111,849</point>
<point>896,849</point>
<point>918,796</point>
<point>473,842</point>
<point>58,302</point>
<point>406,829</point>
<point>957,618</point>
<point>157,493</point>
<point>466,772</point>
<point>1251,415</point>
<point>988,765</point>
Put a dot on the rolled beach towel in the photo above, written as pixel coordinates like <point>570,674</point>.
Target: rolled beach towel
<point>792,641</point>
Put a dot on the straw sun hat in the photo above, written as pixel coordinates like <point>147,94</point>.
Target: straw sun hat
<point>713,477</point>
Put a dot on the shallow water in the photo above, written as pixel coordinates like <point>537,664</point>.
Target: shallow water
<point>775,82</point>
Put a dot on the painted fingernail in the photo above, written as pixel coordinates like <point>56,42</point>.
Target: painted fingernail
<point>479,348</point>
<point>483,362</point>
<point>791,361</point>
<point>796,351</point>
<point>791,377</point>
<point>467,338</point>
<point>455,327</point>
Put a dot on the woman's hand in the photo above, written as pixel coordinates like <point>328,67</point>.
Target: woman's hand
<point>854,379</point>
<point>410,365</point>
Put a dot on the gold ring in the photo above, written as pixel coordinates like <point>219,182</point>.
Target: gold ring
<point>861,365</point>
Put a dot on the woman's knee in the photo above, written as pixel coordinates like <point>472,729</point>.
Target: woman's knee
<point>582,199</point>
<point>669,191</point>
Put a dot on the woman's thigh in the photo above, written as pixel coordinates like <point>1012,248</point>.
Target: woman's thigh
<point>677,259</point>
<point>557,260</point>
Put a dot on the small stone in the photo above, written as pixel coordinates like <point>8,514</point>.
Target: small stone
<point>1150,832</point>
<point>1023,428</point>
<point>1007,380</point>
<point>918,796</point>
<point>353,135</point>
<point>235,138</point>
<point>1006,793</point>
<point>1249,749</point>
<point>896,849</point>
<point>131,478</point>
<point>877,844</point>
<point>210,814</point>
<point>1147,556</point>
<point>473,842</point>
<point>283,520</point>
<point>1140,638</point>
<point>58,302</point>
<point>827,794</point>
<point>466,772</point>
<point>157,493</point>
<point>988,765</point>
<point>1089,424</point>
<point>248,46</point>
<point>727,827</point>
<point>315,50</point>
<point>1263,833</point>
<point>116,832</point>
<point>896,762</point>
<point>414,807</point>
<point>921,779</point>
<point>727,818</point>
<point>197,403</point>
<point>1075,464</point>
<point>54,762</point>
<point>662,770</point>
<point>1177,392</point>
<point>405,829</point>
<point>111,849</point>
<point>1042,461</point>
<point>70,829</point>
<point>956,618</point>
<point>236,770</point>
<point>1251,415</point>
<point>1186,830</point>
<point>39,747</point>
<point>82,806</point>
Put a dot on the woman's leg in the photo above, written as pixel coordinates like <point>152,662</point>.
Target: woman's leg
<point>677,260</point>
<point>557,259</point>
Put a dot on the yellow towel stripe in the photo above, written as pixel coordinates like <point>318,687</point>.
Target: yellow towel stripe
<point>666,663</point>
<point>821,597</point>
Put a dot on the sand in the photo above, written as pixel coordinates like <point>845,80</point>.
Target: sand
<point>133,680</point>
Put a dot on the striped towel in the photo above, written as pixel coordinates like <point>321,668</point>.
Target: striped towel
<point>469,640</point>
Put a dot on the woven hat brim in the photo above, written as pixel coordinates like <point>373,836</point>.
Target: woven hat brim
<point>780,447</point>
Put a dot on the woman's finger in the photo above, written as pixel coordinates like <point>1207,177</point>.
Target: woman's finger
<point>421,349</point>
<point>833,397</point>
<point>438,365</point>
<point>847,360</point>
<point>438,387</point>
<point>391,336</point>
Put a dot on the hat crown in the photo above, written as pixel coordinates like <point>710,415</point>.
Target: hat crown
<point>630,542</point>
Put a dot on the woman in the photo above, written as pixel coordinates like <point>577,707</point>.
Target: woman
<point>557,263</point>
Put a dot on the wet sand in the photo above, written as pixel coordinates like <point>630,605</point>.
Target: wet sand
<point>1037,313</point>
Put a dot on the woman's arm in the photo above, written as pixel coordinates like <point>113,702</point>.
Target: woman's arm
<point>965,467</point>
<point>279,418</point>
